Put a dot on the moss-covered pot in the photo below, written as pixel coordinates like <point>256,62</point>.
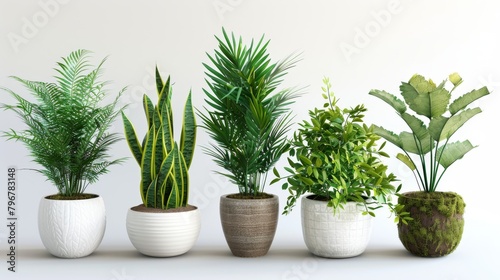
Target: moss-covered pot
<point>437,225</point>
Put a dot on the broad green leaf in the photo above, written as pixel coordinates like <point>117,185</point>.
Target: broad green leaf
<point>436,126</point>
<point>453,152</point>
<point>406,160</point>
<point>188,133</point>
<point>456,121</point>
<point>463,101</point>
<point>439,100</point>
<point>387,135</point>
<point>390,99</point>
<point>422,85</point>
<point>414,145</point>
<point>416,125</point>
<point>132,140</point>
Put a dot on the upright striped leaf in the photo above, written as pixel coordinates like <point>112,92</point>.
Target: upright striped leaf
<point>188,134</point>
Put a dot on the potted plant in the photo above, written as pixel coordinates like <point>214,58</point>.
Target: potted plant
<point>247,118</point>
<point>437,225</point>
<point>335,166</point>
<point>164,225</point>
<point>67,135</point>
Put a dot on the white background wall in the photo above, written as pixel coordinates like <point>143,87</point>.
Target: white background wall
<point>360,45</point>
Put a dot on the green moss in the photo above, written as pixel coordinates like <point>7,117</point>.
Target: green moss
<point>437,225</point>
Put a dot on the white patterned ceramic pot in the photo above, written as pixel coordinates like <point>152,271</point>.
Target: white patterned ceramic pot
<point>71,228</point>
<point>343,235</point>
<point>160,233</point>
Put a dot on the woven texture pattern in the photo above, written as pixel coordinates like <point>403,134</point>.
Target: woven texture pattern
<point>343,235</point>
<point>249,225</point>
<point>71,228</point>
<point>163,234</point>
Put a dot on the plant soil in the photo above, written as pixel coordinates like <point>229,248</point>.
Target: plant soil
<point>142,208</point>
<point>249,196</point>
<point>75,197</point>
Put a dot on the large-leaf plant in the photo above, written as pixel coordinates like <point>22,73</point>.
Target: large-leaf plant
<point>67,129</point>
<point>164,163</point>
<point>435,119</point>
<point>247,115</point>
<point>335,156</point>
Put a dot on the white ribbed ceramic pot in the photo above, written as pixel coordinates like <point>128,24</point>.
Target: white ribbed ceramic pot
<point>343,235</point>
<point>71,228</point>
<point>163,234</point>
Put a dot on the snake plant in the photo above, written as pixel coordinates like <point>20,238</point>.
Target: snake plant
<point>164,163</point>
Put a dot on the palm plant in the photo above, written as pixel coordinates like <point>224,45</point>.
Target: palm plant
<point>248,117</point>
<point>67,128</point>
<point>164,164</point>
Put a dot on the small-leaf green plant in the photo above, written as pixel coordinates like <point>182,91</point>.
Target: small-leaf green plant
<point>164,163</point>
<point>67,126</point>
<point>431,126</point>
<point>335,157</point>
<point>248,115</point>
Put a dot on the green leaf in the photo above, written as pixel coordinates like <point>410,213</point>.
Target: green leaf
<point>131,137</point>
<point>453,152</point>
<point>388,135</point>
<point>188,134</point>
<point>390,99</point>
<point>414,145</point>
<point>456,121</point>
<point>406,160</point>
<point>149,109</point>
<point>416,125</point>
<point>276,173</point>
<point>147,158</point>
<point>463,101</point>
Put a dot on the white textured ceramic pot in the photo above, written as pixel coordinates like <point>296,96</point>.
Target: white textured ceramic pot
<point>72,228</point>
<point>160,233</point>
<point>343,235</point>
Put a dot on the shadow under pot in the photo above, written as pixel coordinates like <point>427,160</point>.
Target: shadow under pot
<point>437,225</point>
<point>342,234</point>
<point>249,224</point>
<point>71,228</point>
<point>163,233</point>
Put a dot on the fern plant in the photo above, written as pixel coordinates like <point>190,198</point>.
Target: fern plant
<point>248,116</point>
<point>67,127</point>
<point>431,126</point>
<point>164,163</point>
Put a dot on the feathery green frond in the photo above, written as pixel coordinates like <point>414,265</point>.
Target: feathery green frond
<point>247,115</point>
<point>67,125</point>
